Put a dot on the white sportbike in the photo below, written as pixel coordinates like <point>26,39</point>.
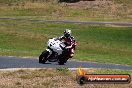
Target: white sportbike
<point>55,52</point>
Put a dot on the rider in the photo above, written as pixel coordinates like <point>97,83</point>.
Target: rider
<point>69,41</point>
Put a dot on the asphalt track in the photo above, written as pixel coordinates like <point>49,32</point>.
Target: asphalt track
<point>17,62</point>
<point>127,24</point>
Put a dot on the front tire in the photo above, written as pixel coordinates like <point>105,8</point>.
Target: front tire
<point>43,57</point>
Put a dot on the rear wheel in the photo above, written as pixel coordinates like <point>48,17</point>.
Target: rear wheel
<point>62,61</point>
<point>43,57</point>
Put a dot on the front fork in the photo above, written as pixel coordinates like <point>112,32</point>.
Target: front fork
<point>50,52</point>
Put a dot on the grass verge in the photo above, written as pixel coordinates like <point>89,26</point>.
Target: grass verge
<point>52,78</point>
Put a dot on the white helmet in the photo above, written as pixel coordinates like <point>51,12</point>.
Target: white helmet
<point>67,33</point>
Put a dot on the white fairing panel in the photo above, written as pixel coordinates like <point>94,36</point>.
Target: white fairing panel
<point>55,45</point>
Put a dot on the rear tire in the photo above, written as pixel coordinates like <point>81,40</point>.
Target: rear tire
<point>43,57</point>
<point>66,60</point>
<point>62,61</point>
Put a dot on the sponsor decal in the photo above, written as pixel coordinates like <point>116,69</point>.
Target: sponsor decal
<point>83,78</point>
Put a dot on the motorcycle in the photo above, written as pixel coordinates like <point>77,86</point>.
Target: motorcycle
<point>55,52</point>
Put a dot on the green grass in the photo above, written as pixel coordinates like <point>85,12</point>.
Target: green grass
<point>95,43</point>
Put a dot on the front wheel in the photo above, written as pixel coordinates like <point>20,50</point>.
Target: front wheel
<point>43,57</point>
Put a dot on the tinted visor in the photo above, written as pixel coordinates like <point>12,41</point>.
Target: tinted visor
<point>66,35</point>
